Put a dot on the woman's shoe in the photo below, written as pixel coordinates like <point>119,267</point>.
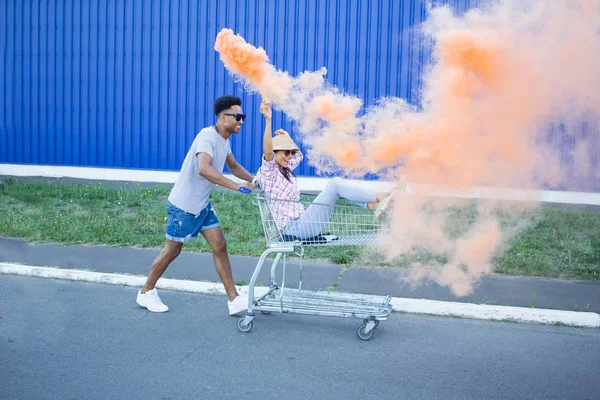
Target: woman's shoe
<point>385,203</point>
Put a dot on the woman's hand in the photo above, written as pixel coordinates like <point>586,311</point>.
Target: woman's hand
<point>281,132</point>
<point>265,109</point>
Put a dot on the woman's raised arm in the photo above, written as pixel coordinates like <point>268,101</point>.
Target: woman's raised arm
<point>265,109</point>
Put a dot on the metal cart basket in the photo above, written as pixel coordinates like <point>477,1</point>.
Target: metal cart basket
<point>347,225</point>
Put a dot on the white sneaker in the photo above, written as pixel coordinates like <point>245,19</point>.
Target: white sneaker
<point>151,301</point>
<point>238,305</point>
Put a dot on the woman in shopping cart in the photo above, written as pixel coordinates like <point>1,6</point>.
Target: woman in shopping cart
<point>279,184</point>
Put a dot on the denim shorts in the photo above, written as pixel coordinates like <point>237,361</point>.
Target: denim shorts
<point>183,227</point>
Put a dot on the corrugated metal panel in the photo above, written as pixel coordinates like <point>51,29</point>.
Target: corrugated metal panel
<point>579,147</point>
<point>115,83</point>
<point>129,83</point>
<point>5,78</point>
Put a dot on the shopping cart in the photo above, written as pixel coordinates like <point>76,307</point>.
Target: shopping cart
<point>348,225</point>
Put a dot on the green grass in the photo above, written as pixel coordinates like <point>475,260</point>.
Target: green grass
<point>98,214</point>
<point>556,243</point>
<point>561,243</point>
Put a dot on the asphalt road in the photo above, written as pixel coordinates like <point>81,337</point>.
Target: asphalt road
<point>73,340</point>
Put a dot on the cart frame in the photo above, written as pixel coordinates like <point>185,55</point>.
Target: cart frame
<point>347,225</point>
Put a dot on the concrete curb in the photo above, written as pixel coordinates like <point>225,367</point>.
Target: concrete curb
<point>497,313</point>
<point>420,306</point>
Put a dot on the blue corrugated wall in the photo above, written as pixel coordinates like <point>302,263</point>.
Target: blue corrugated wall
<point>116,83</point>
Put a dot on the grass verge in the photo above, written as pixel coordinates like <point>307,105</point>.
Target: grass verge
<point>559,243</point>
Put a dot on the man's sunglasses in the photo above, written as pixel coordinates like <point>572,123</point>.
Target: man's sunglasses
<point>238,117</point>
<point>288,152</point>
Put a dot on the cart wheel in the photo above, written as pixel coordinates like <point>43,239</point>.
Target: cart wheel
<point>374,320</point>
<point>266,312</point>
<point>362,334</point>
<point>242,326</point>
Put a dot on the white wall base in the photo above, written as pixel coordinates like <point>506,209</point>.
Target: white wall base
<point>306,183</point>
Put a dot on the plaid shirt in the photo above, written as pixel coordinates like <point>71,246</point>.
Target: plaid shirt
<point>275,186</point>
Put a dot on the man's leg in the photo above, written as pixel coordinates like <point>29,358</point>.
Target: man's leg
<point>161,262</point>
<point>215,239</point>
<point>148,296</point>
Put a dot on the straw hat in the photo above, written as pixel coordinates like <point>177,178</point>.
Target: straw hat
<point>284,142</point>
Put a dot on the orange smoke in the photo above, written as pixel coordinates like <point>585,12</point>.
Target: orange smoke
<point>477,56</point>
<point>500,75</point>
<point>242,58</point>
<point>333,109</point>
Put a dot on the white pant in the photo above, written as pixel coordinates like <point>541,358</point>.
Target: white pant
<point>315,218</point>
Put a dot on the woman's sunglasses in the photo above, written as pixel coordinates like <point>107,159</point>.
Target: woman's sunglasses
<point>238,117</point>
<point>288,152</point>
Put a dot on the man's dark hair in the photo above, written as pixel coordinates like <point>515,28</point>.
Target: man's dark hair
<point>225,102</point>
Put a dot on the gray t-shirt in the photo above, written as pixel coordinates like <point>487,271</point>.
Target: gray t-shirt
<point>191,191</point>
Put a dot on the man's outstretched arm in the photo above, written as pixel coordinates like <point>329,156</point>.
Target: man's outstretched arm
<point>207,171</point>
<point>237,170</point>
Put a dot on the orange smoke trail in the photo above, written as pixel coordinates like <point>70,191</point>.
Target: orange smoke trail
<point>499,76</point>
<point>242,58</point>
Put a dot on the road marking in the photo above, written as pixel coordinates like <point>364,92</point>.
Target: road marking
<point>419,306</point>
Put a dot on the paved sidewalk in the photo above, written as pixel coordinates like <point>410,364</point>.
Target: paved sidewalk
<point>559,294</point>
